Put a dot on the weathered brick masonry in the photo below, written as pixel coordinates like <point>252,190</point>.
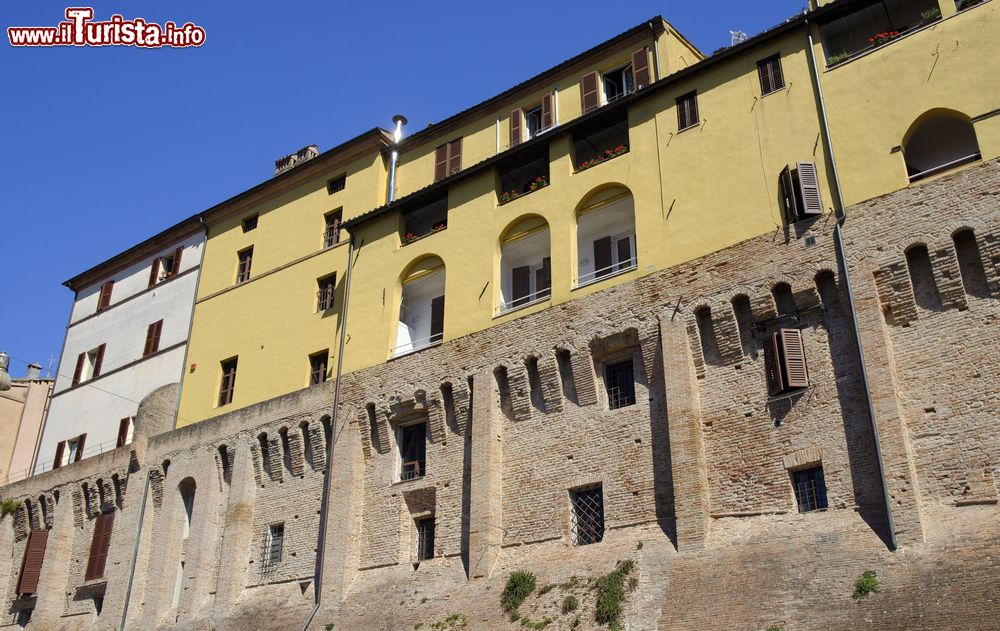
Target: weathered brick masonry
<point>695,475</point>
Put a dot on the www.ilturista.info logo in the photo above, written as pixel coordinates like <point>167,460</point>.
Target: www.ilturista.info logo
<point>79,29</point>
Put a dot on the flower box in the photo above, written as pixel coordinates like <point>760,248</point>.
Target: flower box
<point>538,183</point>
<point>608,154</point>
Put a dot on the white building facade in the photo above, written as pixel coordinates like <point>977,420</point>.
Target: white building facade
<point>127,337</point>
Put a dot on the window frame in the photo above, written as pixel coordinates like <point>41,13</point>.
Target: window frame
<point>688,115</point>
<point>326,294</point>
<point>227,382</point>
<point>615,400</point>
<point>627,78</point>
<point>244,263</point>
<point>420,470</point>
<point>594,533</point>
<point>772,77</point>
<point>274,539</point>
<point>249,223</point>
<point>331,224</point>
<point>336,184</point>
<point>809,488</point>
<point>424,529</point>
<point>319,367</point>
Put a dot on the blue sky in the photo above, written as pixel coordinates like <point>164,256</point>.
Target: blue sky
<point>104,147</point>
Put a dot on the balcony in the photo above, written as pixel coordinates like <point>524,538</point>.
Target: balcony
<point>602,139</point>
<point>874,26</point>
<point>605,233</point>
<point>425,219</point>
<point>523,176</point>
<point>421,314</point>
<point>525,265</point>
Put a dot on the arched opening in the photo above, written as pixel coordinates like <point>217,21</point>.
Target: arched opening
<point>525,264</point>
<point>187,488</point>
<point>265,453</point>
<point>971,264</point>
<point>783,300</point>
<point>421,306</point>
<point>706,333</point>
<point>327,431</point>
<point>227,467</point>
<point>744,320</point>
<point>605,235</point>
<point>925,291</point>
<point>307,446</point>
<point>286,449</point>
<point>939,140</point>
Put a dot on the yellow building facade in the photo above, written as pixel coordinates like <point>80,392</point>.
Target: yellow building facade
<point>632,157</point>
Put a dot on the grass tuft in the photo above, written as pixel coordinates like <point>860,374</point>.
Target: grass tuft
<point>519,586</point>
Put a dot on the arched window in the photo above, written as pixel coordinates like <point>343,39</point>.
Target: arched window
<point>970,263</point>
<point>784,302</point>
<point>525,264</point>
<point>421,306</point>
<point>227,470</point>
<point>186,488</point>
<point>605,235</point>
<point>938,141</point>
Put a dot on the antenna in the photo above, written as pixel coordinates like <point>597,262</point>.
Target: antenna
<point>737,37</point>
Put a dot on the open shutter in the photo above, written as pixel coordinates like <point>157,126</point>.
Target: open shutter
<point>787,186</point>
<point>149,340</point>
<point>79,368</point>
<point>31,566</point>
<point>441,162</point>
<point>772,365</point>
<point>99,360</point>
<point>516,127</point>
<point>105,299</point>
<point>454,156</point>
<point>154,272</point>
<point>640,67</point>
<point>122,432</point>
<point>543,277</point>
<point>624,253</point>
<point>81,442</point>
<point>794,356</point>
<point>437,319</point>
<point>99,545</point>
<point>588,92</point>
<point>521,277</point>
<point>812,203</point>
<point>764,72</point>
<point>548,112</point>
<point>176,269</point>
<point>60,449</point>
<point>602,257</point>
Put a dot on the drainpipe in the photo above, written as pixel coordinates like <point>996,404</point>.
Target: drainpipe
<point>328,476</point>
<point>838,238</point>
<point>397,135</point>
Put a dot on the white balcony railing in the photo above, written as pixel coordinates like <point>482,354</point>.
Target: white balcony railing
<point>524,301</point>
<point>419,344</point>
<point>606,272</point>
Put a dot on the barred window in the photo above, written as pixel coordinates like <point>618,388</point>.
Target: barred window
<point>250,223</point>
<point>336,185</point>
<point>425,538</point>
<point>325,295</point>
<point>588,515</point>
<point>810,489</point>
<point>619,380</point>
<point>274,544</point>
<point>331,230</point>
<point>317,367</point>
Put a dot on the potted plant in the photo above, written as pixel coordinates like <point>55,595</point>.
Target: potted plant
<point>930,15</point>
<point>833,60</point>
<point>409,237</point>
<point>883,38</point>
<point>439,226</point>
<point>965,4</point>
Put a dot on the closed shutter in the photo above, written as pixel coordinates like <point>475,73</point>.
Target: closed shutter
<point>81,442</point>
<point>152,338</point>
<point>105,300</point>
<point>441,162</point>
<point>812,203</point>
<point>588,92</point>
<point>521,281</point>
<point>787,186</point>
<point>548,112</point>
<point>154,272</point>
<point>99,360</point>
<point>687,110</point>
<point>794,354</point>
<point>543,277</point>
<point>624,253</point>
<point>31,566</point>
<point>60,449</point>
<point>640,67</point>
<point>437,319</point>
<point>772,365</point>
<point>176,269</point>
<point>99,545</point>
<point>602,257</point>
<point>516,127</point>
<point>454,156</point>
<point>771,77</point>
<point>122,432</point>
<point>78,373</point>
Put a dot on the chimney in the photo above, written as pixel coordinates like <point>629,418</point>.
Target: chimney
<point>34,372</point>
<point>294,159</point>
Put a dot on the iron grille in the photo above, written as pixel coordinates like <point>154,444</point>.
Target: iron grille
<point>588,516</point>
<point>620,383</point>
<point>274,543</point>
<point>810,489</point>
<point>425,538</point>
<point>324,297</point>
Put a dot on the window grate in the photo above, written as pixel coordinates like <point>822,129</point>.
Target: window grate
<point>425,538</point>
<point>620,383</point>
<point>331,232</point>
<point>325,296</point>
<point>588,516</point>
<point>317,364</point>
<point>250,223</point>
<point>274,543</point>
<point>810,489</point>
<point>336,185</point>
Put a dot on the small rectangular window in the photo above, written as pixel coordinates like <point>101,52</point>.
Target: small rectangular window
<point>104,301</point>
<point>687,111</point>
<point>588,515</point>
<point>325,295</point>
<point>619,380</point>
<point>228,384</point>
<point>331,229</point>
<point>124,426</point>
<point>425,538</point>
<point>152,338</point>
<point>771,77</point>
<point>412,451</point>
<point>274,544</point>
<point>245,259</point>
<point>618,83</point>
<point>250,223</point>
<point>336,185</point>
<point>318,367</point>
<point>448,159</point>
<point>810,489</point>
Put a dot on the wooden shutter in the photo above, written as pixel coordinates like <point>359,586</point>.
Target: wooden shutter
<point>787,191</point>
<point>31,566</point>
<point>105,299</point>
<point>437,319</point>
<point>99,545</point>
<point>60,450</point>
<point>624,253</point>
<point>454,156</point>
<point>176,269</point>
<point>154,272</point>
<point>521,277</point>
<point>441,162</point>
<point>152,338</point>
<point>516,127</point>
<point>812,203</point>
<point>99,360</point>
<point>640,67</point>
<point>602,257</point>
<point>81,442</point>
<point>548,112</point>
<point>772,365</point>
<point>122,432</point>
<point>588,92</point>
<point>78,373</point>
<point>543,276</point>
<point>687,110</point>
<point>769,71</point>
<point>794,355</point>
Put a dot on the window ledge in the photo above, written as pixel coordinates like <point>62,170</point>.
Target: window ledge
<point>696,125</point>
<point>403,241</point>
<point>520,195</point>
<point>534,302</point>
<point>601,279</point>
<point>599,161</point>
<point>774,398</point>
<point>778,91</point>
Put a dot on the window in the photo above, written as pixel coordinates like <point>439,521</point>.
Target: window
<point>617,83</point>
<point>799,190</point>
<point>274,543</point>
<point>810,489</point>
<point>533,121</point>
<point>326,293</point>
<point>605,233</point>
<point>412,451</point>
<point>601,139</point>
<point>317,367</point>
<point>425,538</point>
<point>619,381</point>
<point>89,364</point>
<point>228,385</point>
<point>24,617</point>
<point>104,300</point>
<point>529,122</point>
<point>152,338</point>
<point>331,230</point>
<point>68,451</point>
<point>425,219</point>
<point>448,159</point>
<point>124,432</point>
<point>687,111</point>
<point>336,185</point>
<point>939,143</point>
<point>250,223</point>
<point>99,545</point>
<point>525,264</point>
<point>785,362</point>
<point>421,308</point>
<point>244,258</point>
<point>769,72</point>
<point>165,267</point>
<point>588,515</point>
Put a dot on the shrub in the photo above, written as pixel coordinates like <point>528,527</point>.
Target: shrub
<point>833,60</point>
<point>930,15</point>
<point>611,593</point>
<point>867,584</point>
<point>520,584</point>
<point>9,507</point>
<point>570,603</point>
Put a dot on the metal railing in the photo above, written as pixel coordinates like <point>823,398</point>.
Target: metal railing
<point>331,236</point>
<point>944,167</point>
<point>607,272</point>
<point>524,301</point>
<point>415,345</point>
<point>88,452</point>
<point>411,469</point>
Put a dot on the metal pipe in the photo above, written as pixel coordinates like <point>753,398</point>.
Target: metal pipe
<point>656,54</point>
<point>841,215</point>
<point>135,553</point>
<point>397,135</point>
<point>328,475</point>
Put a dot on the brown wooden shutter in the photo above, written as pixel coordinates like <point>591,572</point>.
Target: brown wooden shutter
<point>516,126</point>
<point>149,340</point>
<point>787,191</point>
<point>687,110</point>
<point>441,162</point>
<point>588,92</point>
<point>548,112</point>
<point>60,450</point>
<point>640,67</point>
<point>31,566</point>
<point>152,338</point>
<point>105,299</point>
<point>521,277</point>
<point>772,365</point>
<point>81,442</point>
<point>99,360</point>
<point>79,368</point>
<point>793,352</point>
<point>602,257</point>
<point>176,269</point>
<point>437,319</point>
<point>99,546</point>
<point>454,156</point>
<point>769,71</point>
<point>543,277</point>
<point>123,432</point>
<point>624,253</point>
<point>154,272</point>
<point>812,203</point>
